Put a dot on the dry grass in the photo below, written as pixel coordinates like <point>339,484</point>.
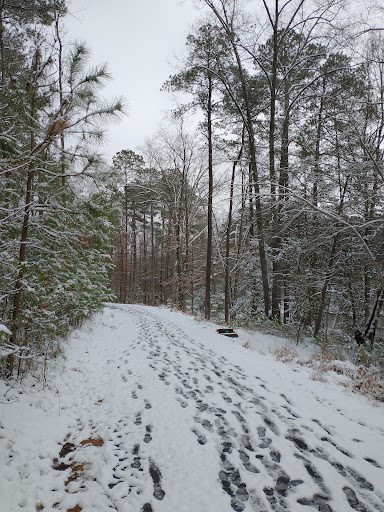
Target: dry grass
<point>319,376</point>
<point>327,352</point>
<point>360,379</point>
<point>285,354</point>
<point>369,383</point>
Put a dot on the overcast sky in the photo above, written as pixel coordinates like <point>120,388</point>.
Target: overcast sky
<point>138,39</point>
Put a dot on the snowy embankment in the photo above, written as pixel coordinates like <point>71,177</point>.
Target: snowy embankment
<point>153,411</point>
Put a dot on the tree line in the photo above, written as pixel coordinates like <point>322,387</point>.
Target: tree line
<point>273,209</point>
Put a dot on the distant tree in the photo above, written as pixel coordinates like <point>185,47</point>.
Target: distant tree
<point>227,16</point>
<point>129,166</point>
<point>205,48</point>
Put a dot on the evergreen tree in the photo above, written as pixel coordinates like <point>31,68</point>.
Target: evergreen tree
<point>53,244</point>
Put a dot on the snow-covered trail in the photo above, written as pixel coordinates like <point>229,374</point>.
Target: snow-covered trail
<point>161,414</point>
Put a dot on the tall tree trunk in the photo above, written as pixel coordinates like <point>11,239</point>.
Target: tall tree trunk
<point>124,269</point>
<point>208,269</point>
<point>153,284</point>
<point>186,258</point>
<point>2,46</point>
<point>61,97</point>
<point>324,288</point>
<point>239,242</point>
<point>228,235</point>
<point>256,186</point>
<point>144,272</point>
<point>370,330</point>
<point>330,265</point>
<point>179,265</point>
<point>163,264</point>
<point>134,254</point>
<point>245,112</point>
<point>272,106</point>
<point>278,272</point>
<point>27,214</point>
<point>276,240</point>
<point>19,281</point>
<point>319,131</point>
<point>252,237</point>
<point>192,282</point>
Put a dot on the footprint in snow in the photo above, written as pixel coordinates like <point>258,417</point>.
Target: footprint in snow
<point>265,443</point>
<point>182,403</point>
<point>319,502</point>
<point>148,437</point>
<point>204,423</point>
<point>201,439</point>
<point>373,462</point>
<point>155,473</point>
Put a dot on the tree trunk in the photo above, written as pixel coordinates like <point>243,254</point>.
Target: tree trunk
<point>324,288</point>
<point>144,272</point>
<point>124,268</point>
<point>186,258</point>
<point>208,270</point>
<point>370,329</point>
<point>153,285</point>
<point>330,266</point>
<point>246,114</point>
<point>239,242</point>
<point>134,255</point>
<point>61,98</point>
<point>2,46</point>
<point>278,271</point>
<point>319,132</point>
<point>256,187</point>
<point>27,213</point>
<point>228,235</point>
<point>272,119</point>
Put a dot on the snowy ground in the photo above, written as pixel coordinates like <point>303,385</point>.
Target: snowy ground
<point>153,411</point>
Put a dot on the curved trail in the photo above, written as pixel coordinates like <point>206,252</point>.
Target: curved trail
<point>186,429</point>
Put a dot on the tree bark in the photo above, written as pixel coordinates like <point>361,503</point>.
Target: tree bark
<point>228,235</point>
<point>2,45</point>
<point>370,330</point>
<point>153,283</point>
<point>330,266</point>
<point>208,270</point>
<point>245,112</point>
<point>27,214</point>
<point>61,99</point>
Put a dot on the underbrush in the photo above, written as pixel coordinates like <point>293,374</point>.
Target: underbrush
<point>368,382</point>
<point>361,366</point>
<point>367,379</point>
<point>260,323</point>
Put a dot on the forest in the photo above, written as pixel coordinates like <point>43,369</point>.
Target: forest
<point>259,203</point>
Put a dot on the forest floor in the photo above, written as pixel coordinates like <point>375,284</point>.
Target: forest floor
<point>151,410</point>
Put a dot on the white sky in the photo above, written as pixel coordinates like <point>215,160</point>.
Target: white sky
<point>139,40</point>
